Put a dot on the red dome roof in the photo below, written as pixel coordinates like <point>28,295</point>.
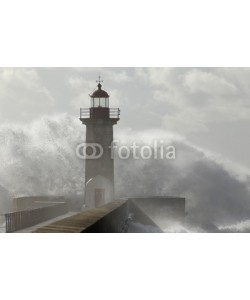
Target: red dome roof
<point>99,93</point>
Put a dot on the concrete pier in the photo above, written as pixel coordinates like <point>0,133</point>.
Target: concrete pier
<point>128,215</point>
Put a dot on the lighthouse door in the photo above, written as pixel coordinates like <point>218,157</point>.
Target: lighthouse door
<point>99,197</point>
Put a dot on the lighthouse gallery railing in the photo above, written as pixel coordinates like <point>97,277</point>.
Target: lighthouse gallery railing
<point>114,113</point>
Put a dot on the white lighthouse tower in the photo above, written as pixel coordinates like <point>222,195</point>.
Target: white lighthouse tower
<point>99,172</point>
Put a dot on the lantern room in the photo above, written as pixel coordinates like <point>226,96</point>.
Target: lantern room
<point>99,98</point>
<point>99,106</point>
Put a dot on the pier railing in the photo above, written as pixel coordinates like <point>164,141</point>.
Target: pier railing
<point>23,219</point>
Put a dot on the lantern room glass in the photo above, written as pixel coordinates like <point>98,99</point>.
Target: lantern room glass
<point>99,102</point>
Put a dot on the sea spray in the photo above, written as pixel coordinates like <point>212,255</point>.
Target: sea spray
<point>40,159</point>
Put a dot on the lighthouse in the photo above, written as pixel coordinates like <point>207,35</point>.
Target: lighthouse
<point>99,119</point>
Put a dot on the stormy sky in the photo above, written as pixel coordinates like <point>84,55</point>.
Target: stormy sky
<point>210,107</point>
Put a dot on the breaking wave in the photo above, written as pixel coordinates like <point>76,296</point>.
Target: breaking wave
<point>40,159</point>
